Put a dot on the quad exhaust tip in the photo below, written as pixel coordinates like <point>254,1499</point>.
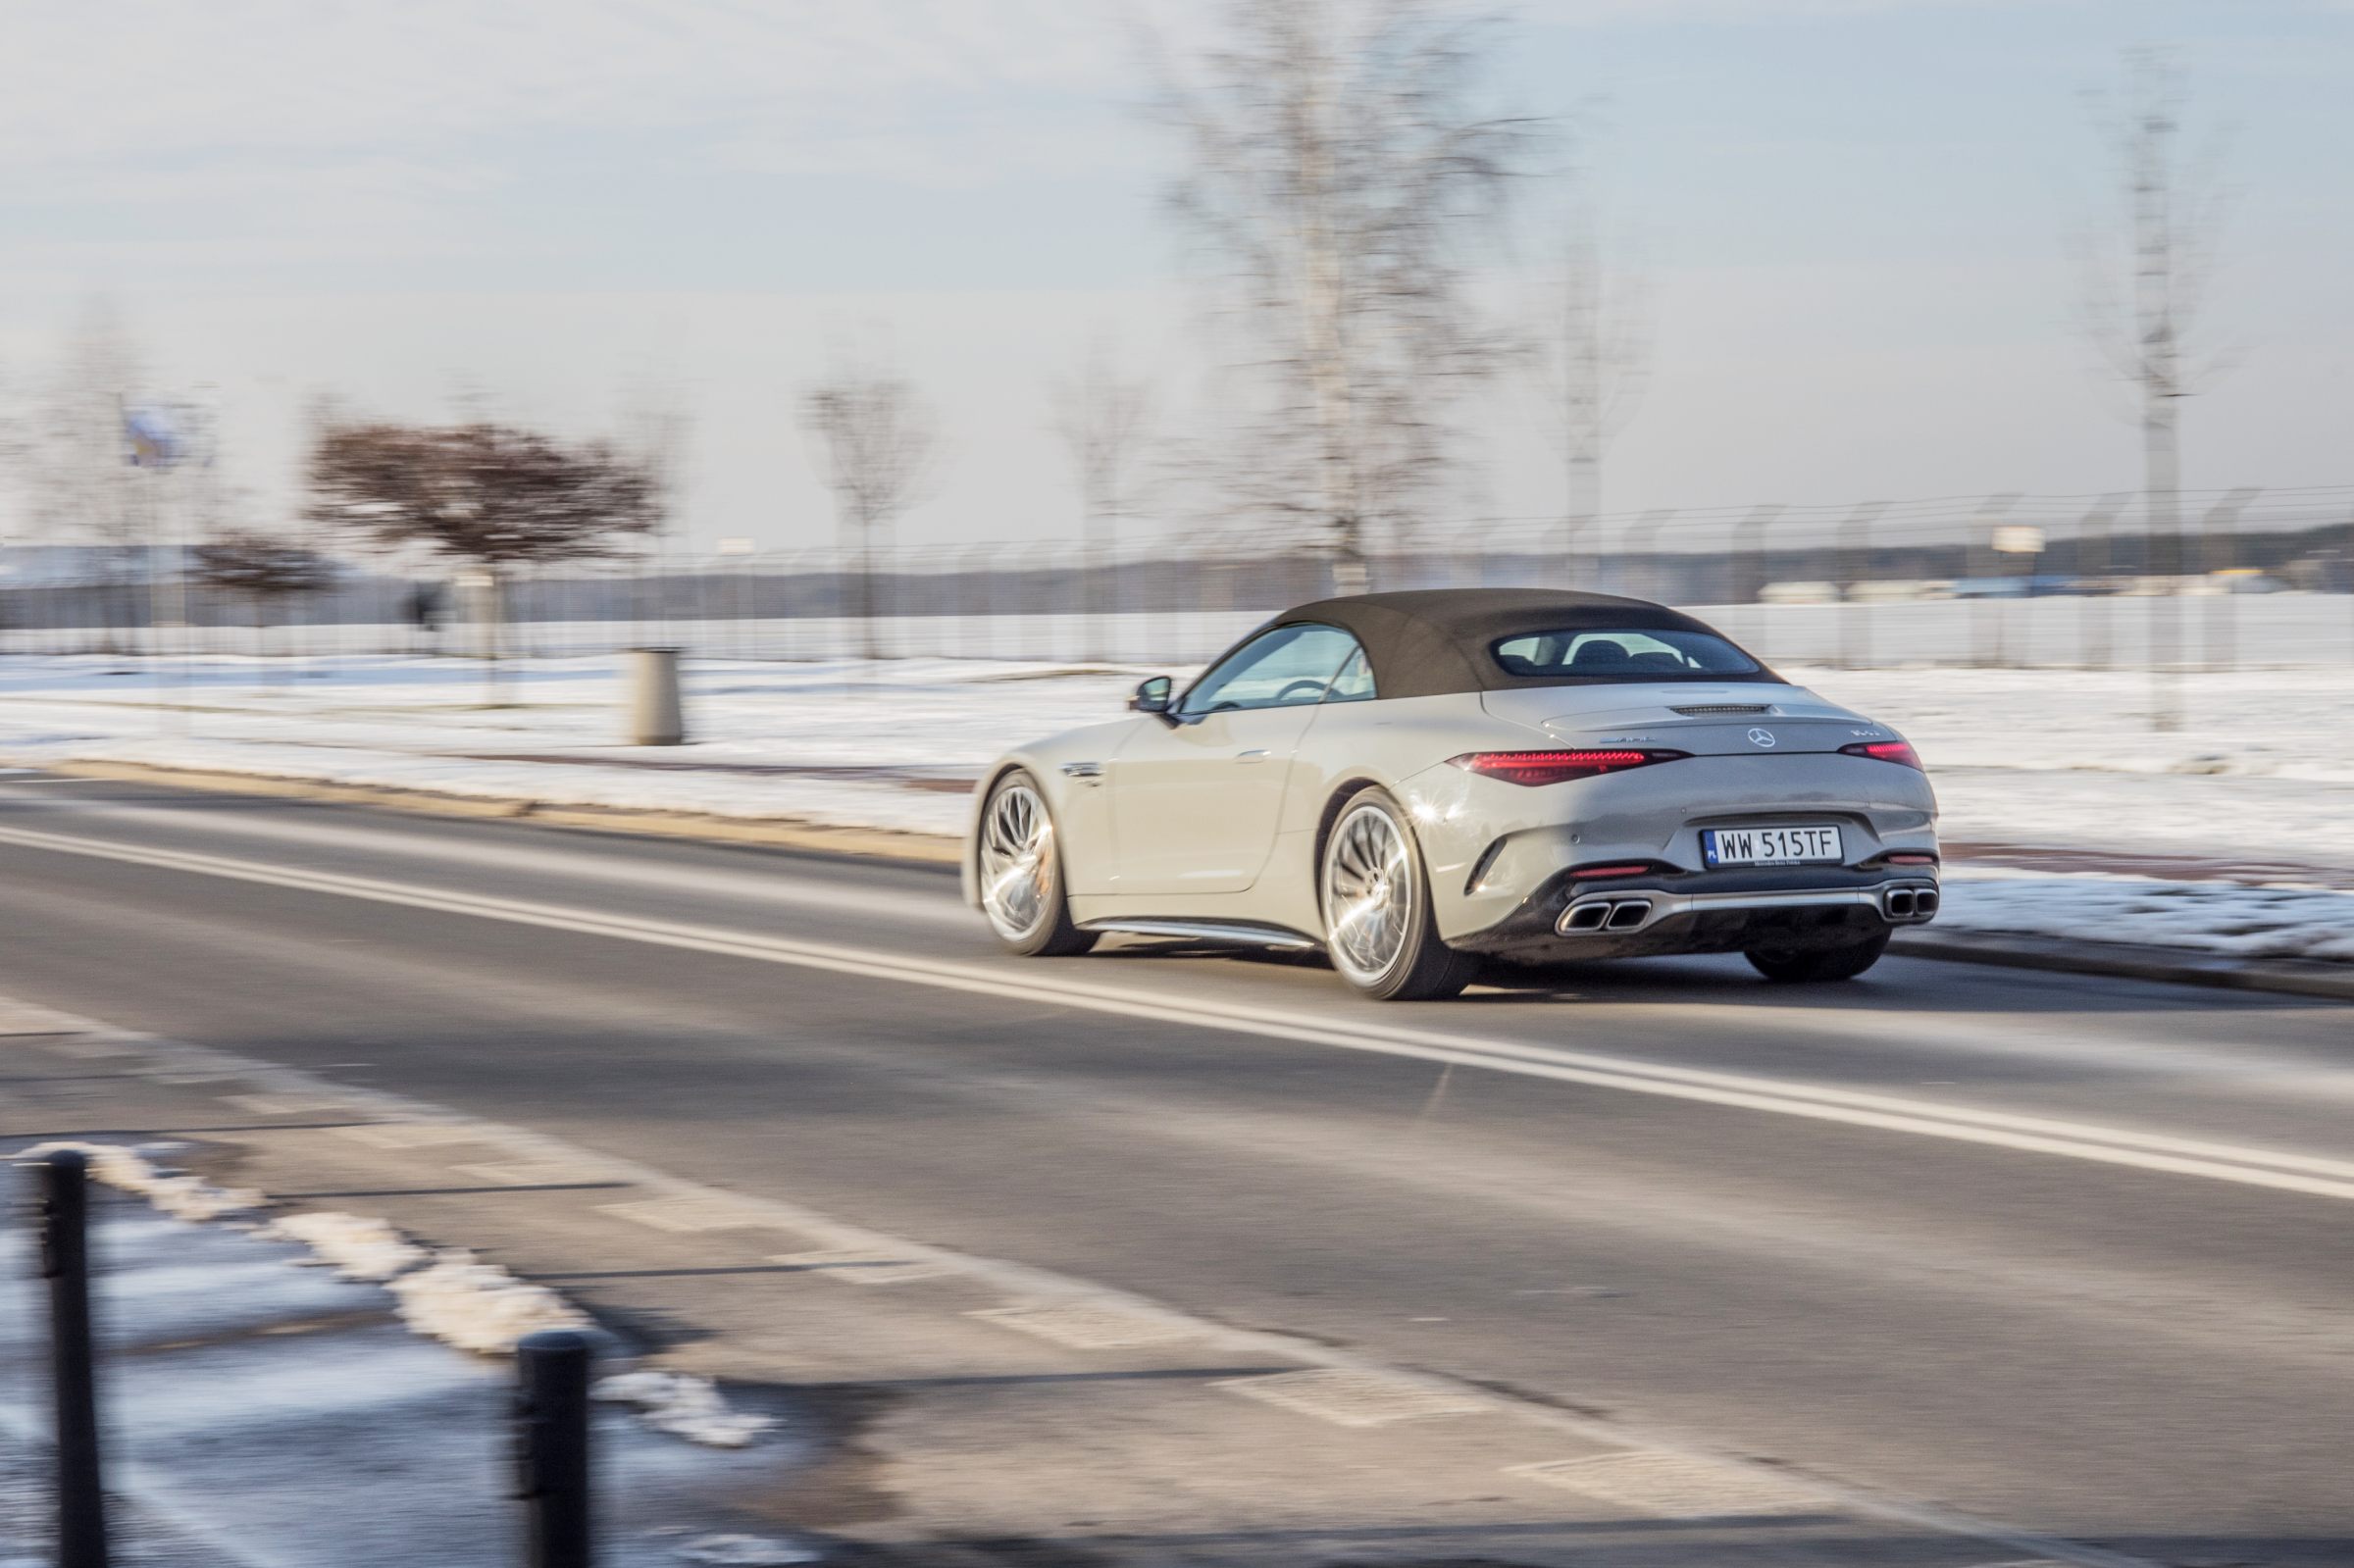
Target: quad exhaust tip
<point>1604,914</point>
<point>1908,903</point>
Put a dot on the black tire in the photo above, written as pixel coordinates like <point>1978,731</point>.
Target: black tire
<point>1807,967</point>
<point>1421,966</point>
<point>1046,930</point>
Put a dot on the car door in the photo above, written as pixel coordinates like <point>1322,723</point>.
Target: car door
<point>1196,799</point>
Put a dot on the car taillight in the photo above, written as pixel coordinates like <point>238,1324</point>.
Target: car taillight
<point>1900,752</point>
<point>1557,766</point>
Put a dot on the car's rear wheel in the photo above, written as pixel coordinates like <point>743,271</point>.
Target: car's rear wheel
<point>1805,966</point>
<point>1377,917</point>
<point>1019,863</point>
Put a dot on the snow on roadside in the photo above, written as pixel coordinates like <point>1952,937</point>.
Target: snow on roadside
<point>2203,917</point>
<point>683,1404</point>
<point>455,1297</point>
<point>356,1249</point>
<point>479,1306</point>
<point>184,1197</point>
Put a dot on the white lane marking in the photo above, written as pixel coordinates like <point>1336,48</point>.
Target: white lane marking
<point>1674,1485</point>
<point>422,840</point>
<point>285,1104</point>
<point>1091,1325</point>
<point>688,1214</point>
<point>1347,1397</point>
<point>412,1135</point>
<point>2278,1171</point>
<point>539,1173</point>
<point>865,1264</point>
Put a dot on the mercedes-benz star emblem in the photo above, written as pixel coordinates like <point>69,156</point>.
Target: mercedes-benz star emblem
<point>1761,737</point>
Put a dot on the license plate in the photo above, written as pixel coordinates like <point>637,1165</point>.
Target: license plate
<point>1770,847</point>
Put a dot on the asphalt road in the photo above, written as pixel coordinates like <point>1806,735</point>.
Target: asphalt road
<point>2065,1252</point>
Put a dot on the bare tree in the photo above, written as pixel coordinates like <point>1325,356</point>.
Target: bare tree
<point>2170,219</point>
<point>1340,156</point>
<point>877,446</point>
<point>262,570</point>
<point>1105,418</point>
<point>488,494</point>
<point>76,457</point>
<point>1591,365</point>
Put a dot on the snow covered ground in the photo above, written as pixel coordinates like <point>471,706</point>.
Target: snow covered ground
<point>2038,771</point>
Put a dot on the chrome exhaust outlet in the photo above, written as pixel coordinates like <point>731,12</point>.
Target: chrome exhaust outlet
<point>1897,902</point>
<point>1924,903</point>
<point>1603,914</point>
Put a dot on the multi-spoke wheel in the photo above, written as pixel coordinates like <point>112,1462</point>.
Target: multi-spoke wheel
<point>1377,918</point>
<point>1019,867</point>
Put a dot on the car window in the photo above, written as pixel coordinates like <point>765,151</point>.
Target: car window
<point>1355,682</point>
<point>1621,655</point>
<point>1288,666</point>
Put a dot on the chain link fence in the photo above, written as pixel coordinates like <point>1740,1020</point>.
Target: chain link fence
<point>2057,581</point>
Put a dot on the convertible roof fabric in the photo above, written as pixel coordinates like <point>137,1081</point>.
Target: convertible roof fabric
<point>1433,641</point>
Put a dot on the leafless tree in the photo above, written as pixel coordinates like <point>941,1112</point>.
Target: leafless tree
<point>2143,296</point>
<point>77,482</point>
<point>261,568</point>
<point>1341,157</point>
<point>1592,365</point>
<point>483,492</point>
<point>877,446</point>
<point>1103,417</point>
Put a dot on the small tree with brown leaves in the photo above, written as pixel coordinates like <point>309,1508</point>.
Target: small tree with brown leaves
<point>491,495</point>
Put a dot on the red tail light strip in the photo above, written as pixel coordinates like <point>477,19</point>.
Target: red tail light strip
<point>1534,768</point>
<point>1900,752</point>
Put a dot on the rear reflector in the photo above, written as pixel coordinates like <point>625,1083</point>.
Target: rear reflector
<point>1911,860</point>
<point>1557,766</point>
<point>1900,752</point>
<point>1636,870</point>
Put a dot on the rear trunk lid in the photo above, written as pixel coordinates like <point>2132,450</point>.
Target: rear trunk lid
<point>1715,719</point>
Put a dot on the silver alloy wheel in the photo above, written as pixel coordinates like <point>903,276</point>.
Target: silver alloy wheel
<point>1017,863</point>
<point>1368,893</point>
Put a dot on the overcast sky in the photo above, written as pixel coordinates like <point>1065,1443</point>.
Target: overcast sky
<point>1856,213</point>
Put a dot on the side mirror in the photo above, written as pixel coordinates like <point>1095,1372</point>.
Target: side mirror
<point>1152,695</point>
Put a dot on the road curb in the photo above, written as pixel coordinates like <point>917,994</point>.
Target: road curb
<point>873,843</point>
<point>2130,961</point>
<point>2124,961</point>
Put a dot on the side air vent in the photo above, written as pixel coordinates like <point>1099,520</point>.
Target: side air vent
<point>1723,710</point>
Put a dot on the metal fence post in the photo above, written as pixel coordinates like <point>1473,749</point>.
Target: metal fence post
<point>66,1264</point>
<point>551,1448</point>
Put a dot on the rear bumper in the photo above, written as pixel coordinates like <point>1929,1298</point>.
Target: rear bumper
<point>1710,912</point>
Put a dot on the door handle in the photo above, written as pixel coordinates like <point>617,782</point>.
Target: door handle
<point>1257,754</point>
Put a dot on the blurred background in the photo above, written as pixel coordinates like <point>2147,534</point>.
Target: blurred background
<point>1969,332</point>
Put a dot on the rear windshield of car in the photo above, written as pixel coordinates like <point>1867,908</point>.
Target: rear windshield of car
<point>1606,655</point>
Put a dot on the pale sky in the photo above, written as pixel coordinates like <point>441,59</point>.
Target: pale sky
<point>1857,216</point>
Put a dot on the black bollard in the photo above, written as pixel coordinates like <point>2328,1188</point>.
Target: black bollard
<point>551,1448</point>
<point>66,1264</point>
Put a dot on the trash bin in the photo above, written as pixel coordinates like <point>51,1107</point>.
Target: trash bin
<point>655,719</point>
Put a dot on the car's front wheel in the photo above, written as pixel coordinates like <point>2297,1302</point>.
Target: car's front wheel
<point>1802,966</point>
<point>1019,863</point>
<point>1378,923</point>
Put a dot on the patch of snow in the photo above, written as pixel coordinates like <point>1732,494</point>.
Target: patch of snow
<point>479,1306</point>
<point>184,1197</point>
<point>355,1248</point>
<point>691,1408</point>
<point>2204,917</point>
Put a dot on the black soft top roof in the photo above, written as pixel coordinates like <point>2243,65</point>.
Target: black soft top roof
<point>1432,641</point>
